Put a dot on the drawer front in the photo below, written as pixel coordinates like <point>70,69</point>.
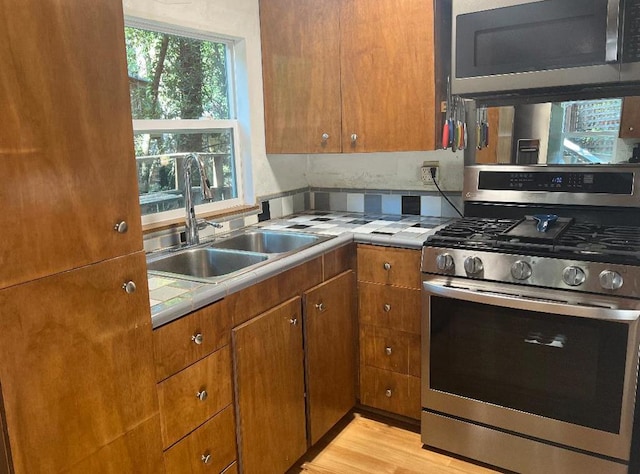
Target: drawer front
<point>182,342</point>
<point>390,350</point>
<point>211,448</point>
<point>389,307</point>
<point>390,391</point>
<point>389,266</point>
<point>192,396</point>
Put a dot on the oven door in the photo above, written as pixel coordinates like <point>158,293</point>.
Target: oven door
<point>527,44</point>
<point>538,363</point>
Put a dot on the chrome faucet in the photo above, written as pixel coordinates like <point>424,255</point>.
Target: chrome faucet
<point>191,221</point>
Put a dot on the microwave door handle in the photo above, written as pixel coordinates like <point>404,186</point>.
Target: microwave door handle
<point>506,300</point>
<point>613,28</point>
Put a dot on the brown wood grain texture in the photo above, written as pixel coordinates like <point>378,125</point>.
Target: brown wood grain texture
<point>5,452</point>
<point>339,260</point>
<point>181,411</point>
<point>366,444</point>
<point>301,75</point>
<point>250,302</point>
<point>404,266</point>
<point>389,349</point>
<point>76,366</point>
<point>630,118</point>
<point>66,146</point>
<point>390,391</point>
<point>389,306</point>
<point>233,469</point>
<point>175,344</point>
<point>269,383</point>
<point>211,448</point>
<point>387,75</point>
<point>330,335</point>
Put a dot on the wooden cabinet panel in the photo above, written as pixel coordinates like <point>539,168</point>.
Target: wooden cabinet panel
<point>390,391</point>
<point>301,75</point>
<point>188,339</point>
<point>387,75</point>
<point>183,403</point>
<point>76,366</point>
<point>390,266</point>
<point>5,453</point>
<point>339,260</point>
<point>329,311</point>
<point>233,469</point>
<point>211,448</point>
<point>269,383</point>
<point>389,307</point>
<point>390,350</point>
<point>68,168</point>
<point>630,119</point>
<point>246,304</point>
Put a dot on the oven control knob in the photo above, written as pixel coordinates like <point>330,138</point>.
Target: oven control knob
<point>610,280</point>
<point>473,265</point>
<point>520,270</point>
<point>444,262</point>
<point>573,276</point>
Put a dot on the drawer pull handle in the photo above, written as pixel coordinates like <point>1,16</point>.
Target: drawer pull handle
<point>293,321</point>
<point>387,308</point>
<point>320,307</point>
<point>129,287</point>
<point>388,393</point>
<point>121,227</point>
<point>387,266</point>
<point>197,338</point>
<point>202,395</point>
<point>388,351</point>
<point>206,458</point>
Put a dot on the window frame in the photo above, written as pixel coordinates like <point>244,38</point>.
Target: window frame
<point>202,125</point>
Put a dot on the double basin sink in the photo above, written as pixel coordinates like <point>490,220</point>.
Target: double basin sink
<point>232,255</point>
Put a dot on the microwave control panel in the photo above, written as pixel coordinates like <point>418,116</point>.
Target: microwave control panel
<point>631,33</point>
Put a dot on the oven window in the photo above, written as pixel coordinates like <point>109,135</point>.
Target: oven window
<point>561,367</point>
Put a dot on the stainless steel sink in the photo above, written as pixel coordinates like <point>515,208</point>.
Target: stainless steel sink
<point>267,241</point>
<point>205,263</point>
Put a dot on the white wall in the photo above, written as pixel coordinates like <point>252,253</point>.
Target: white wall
<point>239,20</point>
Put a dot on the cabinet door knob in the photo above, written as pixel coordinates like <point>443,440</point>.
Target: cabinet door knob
<point>631,129</point>
<point>206,458</point>
<point>293,321</point>
<point>129,287</point>
<point>354,138</point>
<point>197,338</point>
<point>387,266</point>
<point>387,307</point>
<point>320,306</point>
<point>325,137</point>
<point>121,227</point>
<point>388,393</point>
<point>387,351</point>
<point>202,395</point>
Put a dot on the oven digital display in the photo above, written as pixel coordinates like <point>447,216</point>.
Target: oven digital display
<point>572,182</point>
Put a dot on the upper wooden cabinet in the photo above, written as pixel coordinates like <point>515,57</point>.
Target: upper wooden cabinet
<point>630,119</point>
<point>66,147</point>
<point>348,75</point>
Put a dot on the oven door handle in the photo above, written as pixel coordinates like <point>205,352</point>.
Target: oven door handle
<point>532,304</point>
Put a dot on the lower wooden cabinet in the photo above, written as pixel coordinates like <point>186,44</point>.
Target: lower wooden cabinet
<point>77,374</point>
<point>390,391</point>
<point>211,448</point>
<point>269,383</point>
<point>330,335</point>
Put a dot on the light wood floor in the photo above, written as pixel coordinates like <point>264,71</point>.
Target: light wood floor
<point>366,444</point>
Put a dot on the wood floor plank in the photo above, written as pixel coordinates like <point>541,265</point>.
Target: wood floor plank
<point>365,444</point>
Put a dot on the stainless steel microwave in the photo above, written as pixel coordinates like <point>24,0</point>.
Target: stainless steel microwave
<point>509,45</point>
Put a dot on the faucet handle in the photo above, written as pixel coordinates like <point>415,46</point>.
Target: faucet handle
<point>202,223</point>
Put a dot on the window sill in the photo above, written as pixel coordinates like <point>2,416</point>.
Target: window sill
<point>212,215</point>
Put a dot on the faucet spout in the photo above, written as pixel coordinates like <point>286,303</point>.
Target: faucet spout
<point>191,221</point>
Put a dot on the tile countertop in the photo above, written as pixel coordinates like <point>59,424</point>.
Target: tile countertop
<point>172,298</point>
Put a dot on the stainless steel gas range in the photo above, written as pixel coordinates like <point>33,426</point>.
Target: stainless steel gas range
<point>531,320</point>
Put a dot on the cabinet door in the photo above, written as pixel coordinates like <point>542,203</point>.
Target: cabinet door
<point>387,75</point>
<point>269,384</point>
<point>76,368</point>
<point>301,74</point>
<point>630,119</point>
<point>329,312</point>
<point>66,147</point>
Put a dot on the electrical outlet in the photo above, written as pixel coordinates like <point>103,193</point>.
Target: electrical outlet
<point>425,171</point>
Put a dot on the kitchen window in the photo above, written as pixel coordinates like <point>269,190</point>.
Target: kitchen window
<point>182,102</point>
